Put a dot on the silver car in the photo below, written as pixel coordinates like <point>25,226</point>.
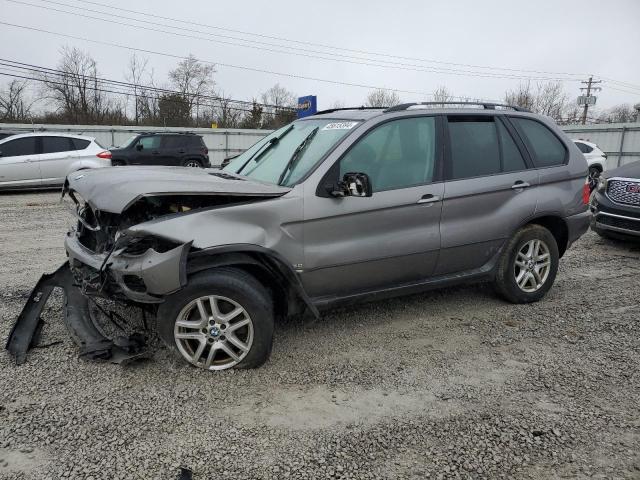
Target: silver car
<point>43,160</point>
<point>344,206</point>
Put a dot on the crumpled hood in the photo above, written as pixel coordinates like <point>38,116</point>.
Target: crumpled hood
<point>113,189</point>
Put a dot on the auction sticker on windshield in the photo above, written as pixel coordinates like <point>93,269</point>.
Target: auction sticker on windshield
<point>340,126</point>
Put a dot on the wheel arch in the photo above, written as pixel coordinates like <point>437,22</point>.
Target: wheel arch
<point>557,226</point>
<point>266,265</point>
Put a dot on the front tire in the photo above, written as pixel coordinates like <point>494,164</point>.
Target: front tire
<point>222,319</point>
<point>528,265</point>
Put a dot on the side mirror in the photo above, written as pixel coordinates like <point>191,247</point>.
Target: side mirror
<point>139,147</point>
<point>352,185</point>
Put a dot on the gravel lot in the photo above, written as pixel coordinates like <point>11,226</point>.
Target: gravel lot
<point>450,384</point>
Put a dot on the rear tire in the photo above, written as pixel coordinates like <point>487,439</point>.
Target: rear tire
<point>528,265</point>
<point>117,163</point>
<point>193,163</point>
<point>594,173</point>
<point>232,290</point>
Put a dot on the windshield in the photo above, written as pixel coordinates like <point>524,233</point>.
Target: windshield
<point>128,141</point>
<point>286,155</point>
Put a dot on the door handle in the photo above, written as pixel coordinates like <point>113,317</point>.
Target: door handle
<point>181,151</point>
<point>429,198</point>
<point>520,184</point>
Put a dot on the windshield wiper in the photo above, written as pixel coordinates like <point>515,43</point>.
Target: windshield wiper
<point>258,154</point>
<point>296,155</point>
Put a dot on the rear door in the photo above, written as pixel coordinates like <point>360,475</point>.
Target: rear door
<point>18,163</point>
<point>354,244</point>
<point>58,154</point>
<point>490,189</point>
<point>173,149</point>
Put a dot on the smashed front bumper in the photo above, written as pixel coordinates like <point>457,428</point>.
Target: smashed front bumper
<point>78,320</point>
<point>143,278</point>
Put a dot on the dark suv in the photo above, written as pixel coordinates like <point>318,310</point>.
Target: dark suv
<point>177,149</point>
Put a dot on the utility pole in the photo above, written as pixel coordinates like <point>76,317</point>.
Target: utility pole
<point>586,99</point>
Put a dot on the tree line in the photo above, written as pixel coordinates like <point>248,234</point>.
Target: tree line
<point>76,93</point>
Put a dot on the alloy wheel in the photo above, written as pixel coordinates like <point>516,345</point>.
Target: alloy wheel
<point>532,265</point>
<point>192,164</point>
<point>213,332</point>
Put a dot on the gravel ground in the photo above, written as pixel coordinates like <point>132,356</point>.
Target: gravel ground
<point>450,384</point>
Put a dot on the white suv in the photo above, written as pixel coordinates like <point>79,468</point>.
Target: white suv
<point>596,159</point>
<point>43,160</point>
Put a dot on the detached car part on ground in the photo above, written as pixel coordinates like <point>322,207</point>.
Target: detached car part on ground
<point>345,206</point>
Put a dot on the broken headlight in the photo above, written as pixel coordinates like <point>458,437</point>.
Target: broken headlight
<point>140,245</point>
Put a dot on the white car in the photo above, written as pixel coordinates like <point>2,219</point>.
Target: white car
<point>43,160</point>
<point>596,159</point>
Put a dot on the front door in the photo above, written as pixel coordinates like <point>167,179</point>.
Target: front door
<point>18,165</point>
<point>354,245</point>
<point>147,151</point>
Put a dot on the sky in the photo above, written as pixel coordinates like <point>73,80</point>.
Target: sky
<point>475,49</point>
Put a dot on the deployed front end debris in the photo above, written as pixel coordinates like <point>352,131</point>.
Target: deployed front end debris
<point>77,318</point>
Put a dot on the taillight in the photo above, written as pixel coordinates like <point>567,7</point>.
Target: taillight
<point>586,193</point>
<point>106,154</point>
<point>205,151</point>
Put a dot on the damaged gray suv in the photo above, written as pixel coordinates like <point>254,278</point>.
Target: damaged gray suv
<point>344,206</point>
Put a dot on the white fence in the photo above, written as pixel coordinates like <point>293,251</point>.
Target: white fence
<point>222,143</point>
<point>620,141</point>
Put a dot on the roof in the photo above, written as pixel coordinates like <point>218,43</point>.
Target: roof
<point>470,108</point>
<point>47,134</point>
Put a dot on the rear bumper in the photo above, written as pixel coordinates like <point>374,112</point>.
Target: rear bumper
<point>577,226</point>
<point>614,217</point>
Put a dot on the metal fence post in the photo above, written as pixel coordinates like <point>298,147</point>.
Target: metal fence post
<point>226,143</point>
<point>621,150</point>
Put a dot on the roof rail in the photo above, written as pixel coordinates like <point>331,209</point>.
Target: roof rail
<point>330,110</point>
<point>485,105</point>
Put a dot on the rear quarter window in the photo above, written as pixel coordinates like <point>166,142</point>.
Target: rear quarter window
<point>80,144</point>
<point>545,146</point>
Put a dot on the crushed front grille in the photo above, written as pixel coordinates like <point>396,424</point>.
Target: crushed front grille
<point>624,191</point>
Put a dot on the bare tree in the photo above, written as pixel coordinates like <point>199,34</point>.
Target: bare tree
<point>14,105</point>
<point>194,80</point>
<point>442,94</point>
<point>137,69</point>
<point>381,97</point>
<point>546,99</point>
<point>623,113</point>
<point>77,92</point>
<point>226,113</point>
<point>279,107</point>
<point>522,96</point>
<point>253,119</point>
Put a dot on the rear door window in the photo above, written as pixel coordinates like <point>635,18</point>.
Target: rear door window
<point>20,147</point>
<point>56,145</point>
<point>547,149</point>
<point>172,141</point>
<point>512,160</point>
<point>475,151</point>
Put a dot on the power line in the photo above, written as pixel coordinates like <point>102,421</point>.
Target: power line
<point>227,65</point>
<point>333,47</point>
<point>333,58</point>
<point>52,71</point>
<point>104,90</point>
